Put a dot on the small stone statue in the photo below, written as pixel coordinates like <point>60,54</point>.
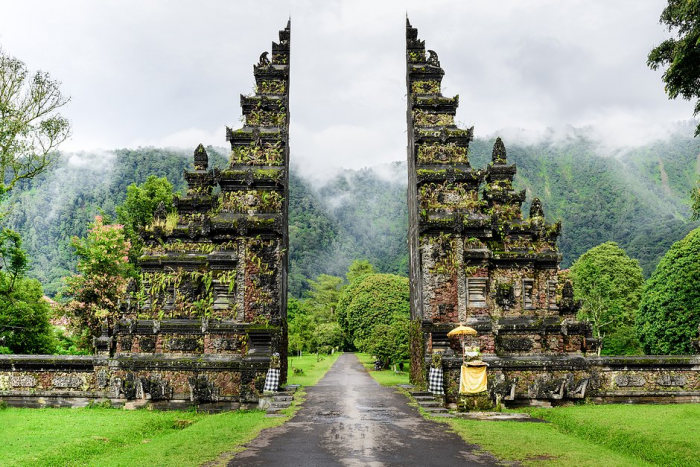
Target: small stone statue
<point>160,213</point>
<point>264,61</point>
<point>498,156</point>
<point>433,58</point>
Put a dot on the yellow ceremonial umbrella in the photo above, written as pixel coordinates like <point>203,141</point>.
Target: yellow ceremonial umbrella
<point>462,331</point>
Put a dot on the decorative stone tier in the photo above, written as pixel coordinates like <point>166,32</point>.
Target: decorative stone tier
<point>555,380</point>
<point>212,382</point>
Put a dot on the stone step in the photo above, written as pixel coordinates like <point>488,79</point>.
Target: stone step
<point>432,403</point>
<point>280,405</point>
<point>442,414</point>
<point>424,398</point>
<point>421,393</point>
<point>282,397</point>
<point>433,410</point>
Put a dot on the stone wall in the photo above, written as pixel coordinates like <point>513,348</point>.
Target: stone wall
<point>211,382</point>
<point>547,380</point>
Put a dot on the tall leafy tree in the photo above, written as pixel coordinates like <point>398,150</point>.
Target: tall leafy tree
<point>104,268</point>
<point>680,54</point>
<point>31,127</point>
<point>669,314</point>
<point>372,300</point>
<point>24,315</point>
<point>609,283</point>
<point>695,202</point>
<point>359,268</point>
<point>139,206</point>
<point>324,295</point>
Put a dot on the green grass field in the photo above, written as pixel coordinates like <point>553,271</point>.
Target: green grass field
<point>594,435</point>
<point>106,437</point>
<point>313,368</point>
<point>383,377</point>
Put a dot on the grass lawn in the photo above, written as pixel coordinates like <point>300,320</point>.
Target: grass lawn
<point>105,437</point>
<point>590,435</point>
<point>312,368</point>
<point>384,377</point>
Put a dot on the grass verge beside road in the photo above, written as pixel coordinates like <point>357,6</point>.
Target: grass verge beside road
<point>383,377</point>
<point>106,437</point>
<point>313,368</point>
<point>593,435</point>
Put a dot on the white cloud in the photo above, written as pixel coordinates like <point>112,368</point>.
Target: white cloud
<point>170,72</point>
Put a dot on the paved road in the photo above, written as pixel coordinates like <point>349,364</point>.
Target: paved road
<point>350,420</point>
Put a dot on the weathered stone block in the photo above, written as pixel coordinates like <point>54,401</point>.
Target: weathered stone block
<point>672,380</point>
<point>73,381</point>
<point>102,378</point>
<point>22,381</point>
<point>625,381</point>
<point>183,344</point>
<point>514,344</point>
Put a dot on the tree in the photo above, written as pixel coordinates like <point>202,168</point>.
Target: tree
<point>104,268</point>
<point>371,300</point>
<point>302,327</point>
<point>680,54</point>
<point>695,203</point>
<point>389,342</point>
<point>609,283</point>
<point>669,314</point>
<point>24,315</point>
<point>139,207</point>
<point>359,268</point>
<point>30,126</point>
<point>324,296</point>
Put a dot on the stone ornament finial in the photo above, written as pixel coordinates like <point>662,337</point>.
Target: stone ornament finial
<point>201,158</point>
<point>264,61</point>
<point>433,58</point>
<point>536,210</point>
<point>160,213</point>
<point>498,156</point>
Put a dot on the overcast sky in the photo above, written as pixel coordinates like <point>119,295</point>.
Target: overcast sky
<point>169,73</point>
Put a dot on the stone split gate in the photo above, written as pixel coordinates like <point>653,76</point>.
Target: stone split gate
<point>211,309</point>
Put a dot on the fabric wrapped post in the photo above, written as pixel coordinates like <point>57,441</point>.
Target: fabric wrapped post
<point>473,379</point>
<point>272,380</point>
<point>435,383</point>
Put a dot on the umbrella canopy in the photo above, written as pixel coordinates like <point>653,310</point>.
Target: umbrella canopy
<point>462,330</point>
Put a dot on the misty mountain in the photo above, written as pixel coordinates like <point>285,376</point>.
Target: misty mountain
<point>638,198</point>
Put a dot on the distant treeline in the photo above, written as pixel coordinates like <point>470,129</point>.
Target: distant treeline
<point>638,199</point>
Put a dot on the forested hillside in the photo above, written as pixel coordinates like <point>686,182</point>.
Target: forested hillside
<point>638,198</point>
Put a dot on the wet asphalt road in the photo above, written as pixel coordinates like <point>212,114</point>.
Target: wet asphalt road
<point>350,420</point>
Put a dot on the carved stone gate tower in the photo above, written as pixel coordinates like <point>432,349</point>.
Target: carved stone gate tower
<point>215,271</point>
<point>473,257</point>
